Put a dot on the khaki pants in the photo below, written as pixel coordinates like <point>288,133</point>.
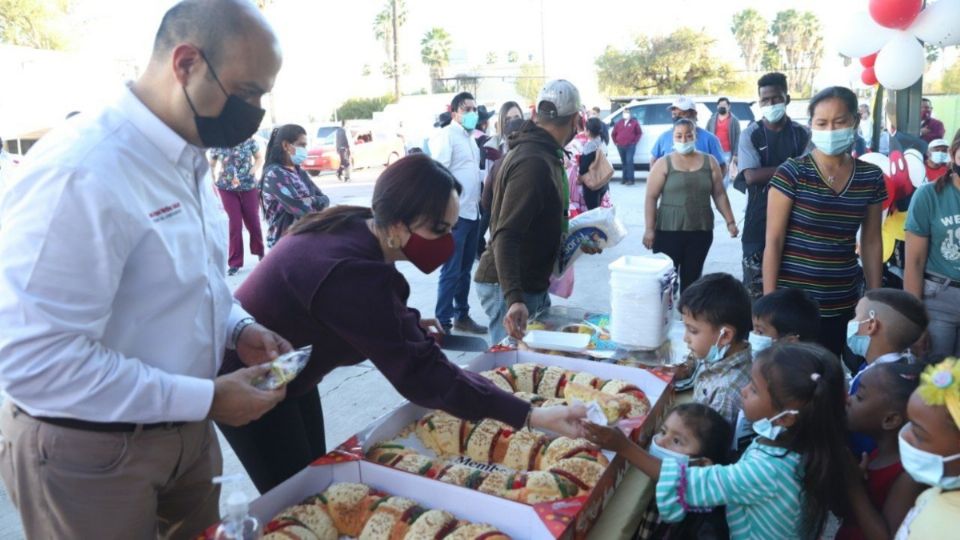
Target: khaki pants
<point>69,483</point>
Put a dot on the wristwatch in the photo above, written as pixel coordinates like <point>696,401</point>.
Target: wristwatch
<point>237,330</point>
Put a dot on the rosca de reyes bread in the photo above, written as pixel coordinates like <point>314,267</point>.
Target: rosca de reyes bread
<point>356,511</point>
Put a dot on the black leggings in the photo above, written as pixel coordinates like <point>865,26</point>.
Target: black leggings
<point>833,337</point>
<point>688,249</point>
<point>282,442</point>
<point>591,198</point>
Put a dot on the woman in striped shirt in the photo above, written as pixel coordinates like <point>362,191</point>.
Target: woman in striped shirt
<point>797,469</point>
<point>818,203</point>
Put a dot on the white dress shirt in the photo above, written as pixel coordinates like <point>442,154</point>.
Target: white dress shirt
<point>113,304</point>
<point>457,150</point>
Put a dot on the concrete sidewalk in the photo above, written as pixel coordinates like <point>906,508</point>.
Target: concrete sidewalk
<point>355,396</point>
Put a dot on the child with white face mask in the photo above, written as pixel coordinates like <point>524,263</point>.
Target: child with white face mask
<point>716,317</point>
<point>696,436</point>
<point>790,477</point>
<point>930,453</point>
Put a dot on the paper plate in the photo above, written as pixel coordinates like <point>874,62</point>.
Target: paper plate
<point>557,341</point>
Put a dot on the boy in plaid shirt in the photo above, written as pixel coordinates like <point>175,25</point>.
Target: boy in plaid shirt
<point>717,320</point>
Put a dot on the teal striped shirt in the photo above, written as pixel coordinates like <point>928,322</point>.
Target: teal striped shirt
<point>762,493</point>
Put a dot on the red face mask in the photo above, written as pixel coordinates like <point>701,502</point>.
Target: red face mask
<point>428,255</point>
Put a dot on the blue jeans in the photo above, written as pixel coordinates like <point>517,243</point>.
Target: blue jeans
<point>626,159</point>
<point>491,297</point>
<point>454,289</point>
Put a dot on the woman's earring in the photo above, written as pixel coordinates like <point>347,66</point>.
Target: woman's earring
<point>391,243</point>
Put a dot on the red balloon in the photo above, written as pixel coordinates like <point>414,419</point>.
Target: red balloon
<point>868,61</point>
<point>868,77</point>
<point>897,14</point>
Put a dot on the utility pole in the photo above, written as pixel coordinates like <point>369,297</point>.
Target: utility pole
<point>543,46</point>
<point>396,54</point>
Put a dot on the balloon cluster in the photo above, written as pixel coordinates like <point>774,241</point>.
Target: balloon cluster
<point>886,38</point>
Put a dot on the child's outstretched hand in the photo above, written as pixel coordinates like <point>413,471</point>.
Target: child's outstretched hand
<point>608,438</point>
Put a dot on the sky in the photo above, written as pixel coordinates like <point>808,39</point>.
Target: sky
<point>327,43</point>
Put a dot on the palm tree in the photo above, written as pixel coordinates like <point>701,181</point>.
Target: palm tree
<point>386,27</point>
<point>435,53</point>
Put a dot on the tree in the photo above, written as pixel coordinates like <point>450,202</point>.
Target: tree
<point>435,54</point>
<point>530,81</point>
<point>386,27</point>
<point>950,83</point>
<point>33,23</point>
<point>800,47</point>
<point>362,108</point>
<point>513,57</point>
<point>492,58</point>
<point>679,63</point>
<point>750,30</point>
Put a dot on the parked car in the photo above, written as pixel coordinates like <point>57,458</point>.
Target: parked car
<point>368,148</point>
<point>655,118</point>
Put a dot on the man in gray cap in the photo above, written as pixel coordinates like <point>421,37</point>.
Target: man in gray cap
<point>528,217</point>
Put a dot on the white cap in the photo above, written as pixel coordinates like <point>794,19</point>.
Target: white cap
<point>683,103</point>
<point>938,142</point>
<point>563,95</point>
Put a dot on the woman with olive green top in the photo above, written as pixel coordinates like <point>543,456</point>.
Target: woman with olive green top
<point>684,183</point>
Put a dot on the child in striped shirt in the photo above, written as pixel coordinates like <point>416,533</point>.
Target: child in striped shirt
<point>790,476</point>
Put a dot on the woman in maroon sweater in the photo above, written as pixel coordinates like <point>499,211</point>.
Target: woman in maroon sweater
<point>331,282</point>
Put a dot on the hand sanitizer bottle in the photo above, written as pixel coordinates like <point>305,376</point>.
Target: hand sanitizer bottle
<point>238,524</point>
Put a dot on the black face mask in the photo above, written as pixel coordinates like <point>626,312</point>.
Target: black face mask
<point>237,121</point>
<point>722,110</point>
<point>956,169</point>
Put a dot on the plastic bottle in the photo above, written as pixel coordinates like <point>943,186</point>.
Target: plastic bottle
<point>238,524</point>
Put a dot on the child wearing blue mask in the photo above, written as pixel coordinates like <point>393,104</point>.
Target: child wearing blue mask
<point>697,436</point>
<point>887,322</point>
<point>785,315</point>
<point>716,319</point>
<point>790,477</point>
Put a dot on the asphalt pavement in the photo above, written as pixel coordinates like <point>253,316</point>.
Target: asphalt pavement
<point>355,396</point>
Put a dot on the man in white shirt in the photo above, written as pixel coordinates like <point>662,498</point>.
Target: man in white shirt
<point>457,150</point>
<point>114,313</point>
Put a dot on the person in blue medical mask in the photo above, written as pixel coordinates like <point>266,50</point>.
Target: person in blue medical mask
<point>697,436</point>
<point>287,192</point>
<point>816,205</point>
<point>455,149</point>
<point>793,474</point>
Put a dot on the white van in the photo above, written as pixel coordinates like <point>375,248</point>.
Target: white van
<point>655,118</point>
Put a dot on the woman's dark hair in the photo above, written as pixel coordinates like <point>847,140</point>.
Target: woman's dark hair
<point>842,93</point>
<point>285,133</point>
<point>595,129</point>
<point>710,428</point>
<point>808,377</point>
<point>502,117</point>
<point>688,123</point>
<point>413,190</point>
<point>950,175</point>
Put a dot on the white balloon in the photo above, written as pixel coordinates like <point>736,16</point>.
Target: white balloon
<point>939,23</point>
<point>915,166</point>
<point>878,159</point>
<point>900,62</point>
<point>863,36</point>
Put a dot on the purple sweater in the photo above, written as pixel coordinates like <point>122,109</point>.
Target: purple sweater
<point>336,292</point>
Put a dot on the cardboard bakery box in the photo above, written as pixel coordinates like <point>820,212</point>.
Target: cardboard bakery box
<point>569,518</point>
<point>511,518</point>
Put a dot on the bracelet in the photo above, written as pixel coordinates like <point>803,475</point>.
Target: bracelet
<point>526,423</point>
<point>238,329</point>
<point>729,223</point>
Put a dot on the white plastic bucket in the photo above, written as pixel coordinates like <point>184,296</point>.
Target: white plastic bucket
<point>641,298</point>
